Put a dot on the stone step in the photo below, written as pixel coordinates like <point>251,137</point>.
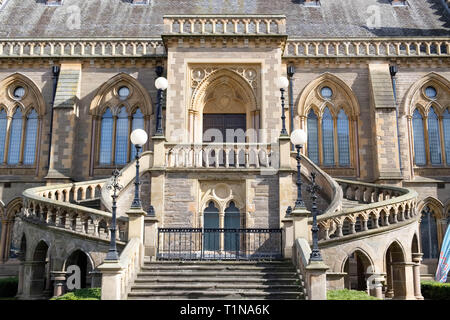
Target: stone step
<point>210,295</point>
<point>217,262</point>
<point>215,286</point>
<point>218,267</point>
<point>188,280</point>
<point>184,273</point>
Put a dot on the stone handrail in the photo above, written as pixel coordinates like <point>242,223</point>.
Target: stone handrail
<point>379,47</point>
<point>88,47</point>
<point>225,24</point>
<point>226,155</point>
<point>300,258</point>
<point>126,178</point>
<point>131,259</point>
<point>330,188</point>
<point>56,206</point>
<point>379,207</point>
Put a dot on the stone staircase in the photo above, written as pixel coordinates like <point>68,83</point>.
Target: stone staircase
<point>206,280</point>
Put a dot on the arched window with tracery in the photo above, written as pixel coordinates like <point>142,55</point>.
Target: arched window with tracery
<point>429,114</point>
<point>428,234</point>
<point>20,121</point>
<point>120,106</point>
<point>328,111</point>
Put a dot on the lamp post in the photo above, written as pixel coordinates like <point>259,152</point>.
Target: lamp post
<point>112,252</point>
<point>313,188</point>
<point>298,139</point>
<point>138,137</point>
<point>282,84</point>
<point>161,84</point>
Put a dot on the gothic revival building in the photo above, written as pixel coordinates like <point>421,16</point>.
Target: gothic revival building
<point>369,82</point>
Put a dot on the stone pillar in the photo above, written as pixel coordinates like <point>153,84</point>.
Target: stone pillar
<point>221,234</point>
<point>64,116</point>
<point>150,236</point>
<point>3,240</point>
<point>136,223</point>
<point>111,280</point>
<point>384,125</point>
<point>375,285</point>
<point>59,282</point>
<point>21,279</point>
<point>96,279</point>
<point>417,258</point>
<point>158,177</point>
<point>316,280</point>
<point>295,226</point>
<point>403,280</point>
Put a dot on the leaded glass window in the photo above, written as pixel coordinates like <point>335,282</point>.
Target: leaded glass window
<point>313,137</point>
<point>428,234</point>
<point>419,138</point>
<point>15,138</point>
<point>30,138</point>
<point>3,127</point>
<point>446,126</point>
<point>328,138</point>
<point>137,123</point>
<point>434,139</point>
<point>343,139</point>
<point>106,137</point>
<point>122,137</point>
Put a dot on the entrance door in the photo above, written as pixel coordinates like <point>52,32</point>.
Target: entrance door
<point>211,240</point>
<point>236,126</point>
<point>232,221</point>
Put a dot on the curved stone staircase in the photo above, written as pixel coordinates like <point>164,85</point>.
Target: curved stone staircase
<point>356,210</point>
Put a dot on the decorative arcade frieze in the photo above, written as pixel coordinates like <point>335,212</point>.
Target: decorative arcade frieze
<point>404,47</point>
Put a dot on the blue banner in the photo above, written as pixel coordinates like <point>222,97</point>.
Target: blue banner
<point>443,266</point>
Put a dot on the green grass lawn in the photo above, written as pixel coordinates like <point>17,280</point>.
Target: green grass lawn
<point>82,294</point>
<point>346,294</point>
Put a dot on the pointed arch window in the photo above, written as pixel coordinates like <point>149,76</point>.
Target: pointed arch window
<point>434,140</point>
<point>137,123</point>
<point>122,137</point>
<point>446,126</point>
<point>419,138</point>
<point>3,127</point>
<point>328,138</point>
<point>428,234</point>
<point>15,138</point>
<point>343,139</point>
<point>313,137</point>
<point>431,135</point>
<point>30,138</point>
<point>106,137</point>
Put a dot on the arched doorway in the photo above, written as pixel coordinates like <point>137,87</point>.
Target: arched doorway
<point>40,282</point>
<point>82,260</point>
<point>211,239</point>
<point>232,221</point>
<point>358,268</point>
<point>395,272</point>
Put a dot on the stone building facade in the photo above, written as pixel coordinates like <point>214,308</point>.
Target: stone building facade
<point>76,77</point>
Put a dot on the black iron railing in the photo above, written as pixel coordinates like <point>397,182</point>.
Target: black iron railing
<point>219,244</point>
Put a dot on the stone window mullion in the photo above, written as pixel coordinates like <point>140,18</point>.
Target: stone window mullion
<point>320,139</point>
<point>442,139</point>
<point>130,129</point>
<point>113,149</point>
<point>335,142</point>
<point>426,138</point>
<point>8,134</point>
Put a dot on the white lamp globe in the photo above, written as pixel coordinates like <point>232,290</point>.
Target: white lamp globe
<point>161,83</point>
<point>138,137</point>
<point>299,137</point>
<point>282,83</point>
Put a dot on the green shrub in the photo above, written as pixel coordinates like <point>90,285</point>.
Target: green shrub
<point>81,294</point>
<point>8,287</point>
<point>346,294</point>
<point>434,290</point>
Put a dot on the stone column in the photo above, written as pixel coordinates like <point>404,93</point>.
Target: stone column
<point>295,226</point>
<point>111,280</point>
<point>158,177</point>
<point>316,280</point>
<point>375,284</point>
<point>221,234</point>
<point>21,279</point>
<point>59,282</point>
<point>417,258</point>
<point>150,236</point>
<point>403,280</point>
<point>3,240</point>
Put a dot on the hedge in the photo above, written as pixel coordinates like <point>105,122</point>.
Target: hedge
<point>81,294</point>
<point>434,290</point>
<point>8,287</point>
<point>346,294</point>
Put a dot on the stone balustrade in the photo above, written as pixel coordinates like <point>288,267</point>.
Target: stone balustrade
<point>375,207</point>
<point>414,47</point>
<point>225,24</point>
<point>221,155</point>
<point>56,206</point>
<point>82,47</point>
<point>130,260</point>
